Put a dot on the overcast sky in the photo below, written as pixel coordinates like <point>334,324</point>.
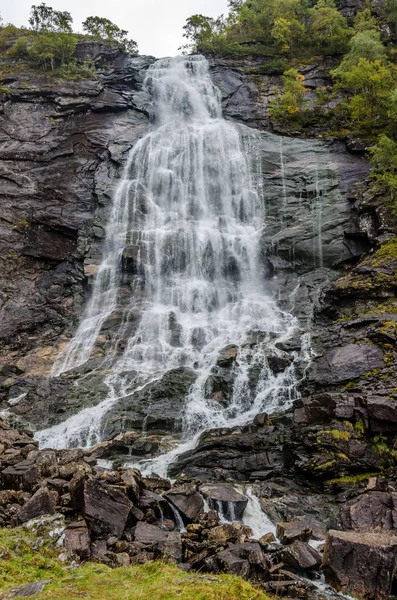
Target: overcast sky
<point>155,24</point>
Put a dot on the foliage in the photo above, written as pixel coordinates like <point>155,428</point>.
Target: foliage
<point>52,50</point>
<point>20,49</point>
<point>365,44</point>
<point>364,21</point>
<point>383,157</point>
<point>329,28</point>
<point>43,18</point>
<point>370,83</point>
<point>204,34</point>
<point>104,29</point>
<point>287,27</point>
<point>290,104</point>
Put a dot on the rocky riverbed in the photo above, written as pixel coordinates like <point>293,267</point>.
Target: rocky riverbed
<point>119,518</point>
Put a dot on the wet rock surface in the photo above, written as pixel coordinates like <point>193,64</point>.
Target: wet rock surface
<point>360,563</point>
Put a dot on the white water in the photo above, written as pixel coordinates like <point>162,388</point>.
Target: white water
<point>188,205</point>
<point>255,517</point>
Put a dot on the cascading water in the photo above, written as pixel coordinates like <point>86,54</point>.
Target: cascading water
<point>189,210</point>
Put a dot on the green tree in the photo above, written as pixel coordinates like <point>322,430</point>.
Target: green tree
<point>370,84</point>
<point>20,49</point>
<point>104,29</point>
<point>364,21</point>
<point>366,44</point>
<point>329,28</point>
<point>52,50</point>
<point>204,34</point>
<point>391,8</point>
<point>44,18</point>
<point>289,105</point>
<point>383,157</point>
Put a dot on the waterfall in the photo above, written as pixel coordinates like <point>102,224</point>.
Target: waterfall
<point>255,517</point>
<point>190,213</point>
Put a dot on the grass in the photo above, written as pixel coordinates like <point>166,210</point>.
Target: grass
<point>27,556</point>
<point>353,478</point>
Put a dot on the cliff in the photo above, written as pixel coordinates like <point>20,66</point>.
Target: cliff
<point>329,255</point>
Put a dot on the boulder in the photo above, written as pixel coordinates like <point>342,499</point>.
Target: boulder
<point>346,363</point>
<point>278,363</point>
<point>322,408</point>
<point>226,500</point>
<point>77,540</point>
<point>360,563</point>
<point>288,532</point>
<point>382,412</point>
<point>187,500</point>
<point>299,556</point>
<point>227,356</point>
<point>41,503</point>
<point>105,508</point>
<point>230,532</point>
<point>370,512</point>
<point>246,560</point>
<point>150,538</point>
<point>22,476</point>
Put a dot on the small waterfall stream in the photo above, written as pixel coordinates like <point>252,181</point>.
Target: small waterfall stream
<point>188,210</point>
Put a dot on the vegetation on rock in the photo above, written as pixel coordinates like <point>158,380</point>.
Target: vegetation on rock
<point>49,44</point>
<point>361,98</point>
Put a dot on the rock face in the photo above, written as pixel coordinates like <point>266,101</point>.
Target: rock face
<point>225,499</point>
<point>362,564</point>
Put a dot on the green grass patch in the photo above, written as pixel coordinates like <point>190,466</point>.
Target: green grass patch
<point>352,478</point>
<point>27,556</point>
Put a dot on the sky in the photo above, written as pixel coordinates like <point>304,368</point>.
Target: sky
<point>155,24</point>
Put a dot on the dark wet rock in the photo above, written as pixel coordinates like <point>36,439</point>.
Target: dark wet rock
<point>278,363</point>
<point>382,412</point>
<point>227,356</point>
<point>360,563</point>
<point>225,499</point>
<point>77,540</point>
<point>321,408</point>
<point>346,363</point>
<point>41,503</point>
<point>105,508</point>
<point>157,406</point>
<point>374,511</point>
<point>294,530</point>
<point>187,500</point>
<point>299,556</point>
<point>246,560</point>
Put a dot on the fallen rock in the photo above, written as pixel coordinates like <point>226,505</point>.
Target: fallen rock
<point>288,532</point>
<point>105,508</point>
<point>77,540</point>
<point>371,512</point>
<point>152,538</point>
<point>41,503</point>
<point>187,500</point>
<point>299,556</point>
<point>246,560</point>
<point>230,532</point>
<point>226,500</point>
<point>27,590</point>
<point>362,564</point>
